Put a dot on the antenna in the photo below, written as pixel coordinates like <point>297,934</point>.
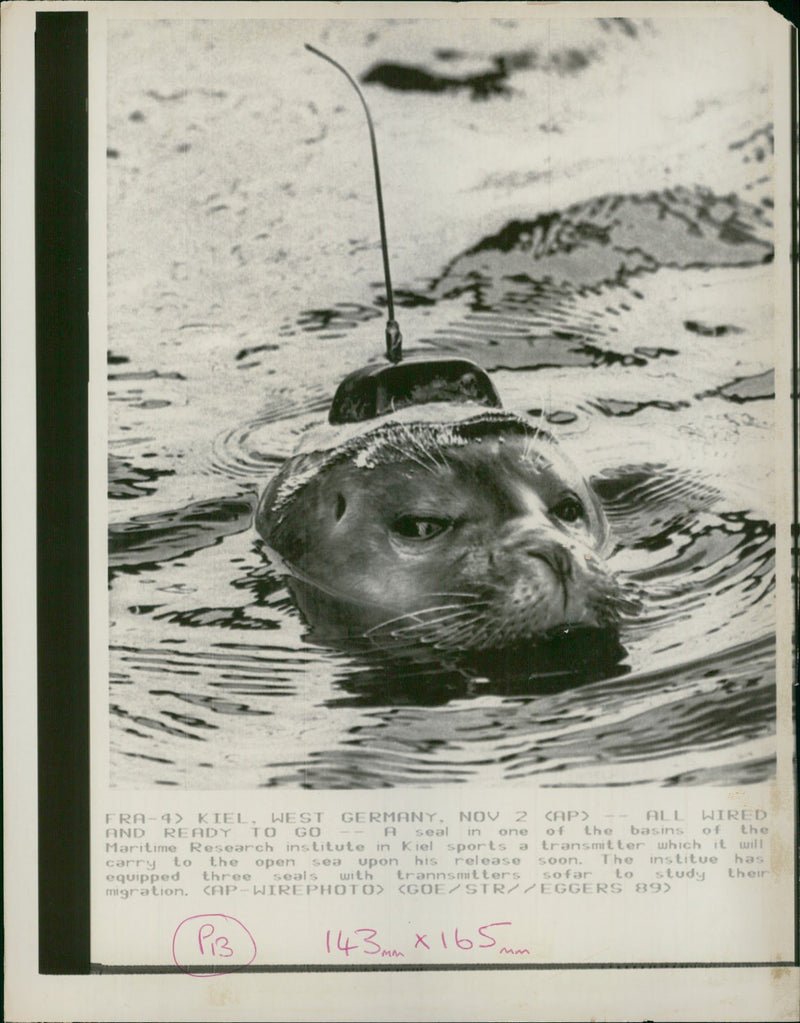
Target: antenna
<point>394,339</point>
<point>374,391</point>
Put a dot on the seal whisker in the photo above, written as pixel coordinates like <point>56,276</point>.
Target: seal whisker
<point>416,622</point>
<point>454,608</point>
<point>442,620</point>
<point>430,446</point>
<point>417,626</point>
<point>446,635</point>
<point>408,456</point>
<point>425,451</point>
<point>530,453</point>
<point>448,631</point>
<point>474,630</point>
<point>417,453</point>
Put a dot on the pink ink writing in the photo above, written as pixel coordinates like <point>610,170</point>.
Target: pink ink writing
<point>366,941</point>
<point>212,944</point>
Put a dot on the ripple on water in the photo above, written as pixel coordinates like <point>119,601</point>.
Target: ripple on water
<point>602,326</point>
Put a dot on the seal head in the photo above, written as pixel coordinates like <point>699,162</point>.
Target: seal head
<point>464,528</point>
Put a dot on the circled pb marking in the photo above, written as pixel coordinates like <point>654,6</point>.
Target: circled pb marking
<point>212,944</point>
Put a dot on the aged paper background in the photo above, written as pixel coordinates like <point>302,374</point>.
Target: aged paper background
<point>720,923</point>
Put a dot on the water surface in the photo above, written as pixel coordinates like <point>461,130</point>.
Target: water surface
<point>619,291</point>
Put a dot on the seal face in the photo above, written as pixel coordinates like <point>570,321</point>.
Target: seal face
<point>471,532</point>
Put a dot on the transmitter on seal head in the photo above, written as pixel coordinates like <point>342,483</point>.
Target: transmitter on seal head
<point>424,513</point>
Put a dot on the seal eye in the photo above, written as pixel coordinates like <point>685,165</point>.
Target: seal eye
<point>341,504</point>
<point>568,509</point>
<point>422,527</point>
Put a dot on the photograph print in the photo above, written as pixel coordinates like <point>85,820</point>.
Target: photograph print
<point>441,402</point>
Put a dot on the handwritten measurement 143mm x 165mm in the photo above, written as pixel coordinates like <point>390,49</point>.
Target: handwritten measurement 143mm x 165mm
<point>364,940</point>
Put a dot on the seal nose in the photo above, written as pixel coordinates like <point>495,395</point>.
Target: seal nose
<point>525,546</point>
<point>542,546</point>
<point>555,556</point>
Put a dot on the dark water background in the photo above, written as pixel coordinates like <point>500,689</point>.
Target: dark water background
<point>606,258</point>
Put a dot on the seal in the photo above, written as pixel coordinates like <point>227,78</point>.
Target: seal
<point>455,526</point>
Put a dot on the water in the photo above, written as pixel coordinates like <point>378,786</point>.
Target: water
<point>608,263</point>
